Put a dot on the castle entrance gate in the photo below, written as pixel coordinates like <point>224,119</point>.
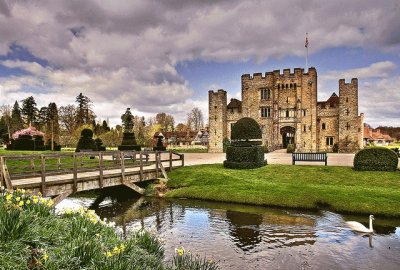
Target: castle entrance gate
<point>288,134</point>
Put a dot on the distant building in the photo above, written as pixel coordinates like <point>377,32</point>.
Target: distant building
<point>285,106</point>
<point>376,136</point>
<point>181,138</point>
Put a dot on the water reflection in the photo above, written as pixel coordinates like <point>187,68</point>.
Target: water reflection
<point>249,237</point>
<point>244,229</point>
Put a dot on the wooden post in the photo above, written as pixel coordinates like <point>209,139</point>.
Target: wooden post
<point>170,160</point>
<point>43,169</point>
<point>6,175</point>
<point>75,186</point>
<point>141,166</point>
<point>2,181</point>
<point>183,159</point>
<point>33,164</point>
<point>157,175</point>
<point>59,162</point>
<point>122,167</point>
<point>101,169</point>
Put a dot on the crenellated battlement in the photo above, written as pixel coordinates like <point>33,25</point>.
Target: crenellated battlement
<point>353,82</point>
<point>297,72</point>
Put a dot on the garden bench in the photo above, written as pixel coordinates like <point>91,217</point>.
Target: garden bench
<point>130,156</point>
<point>317,157</point>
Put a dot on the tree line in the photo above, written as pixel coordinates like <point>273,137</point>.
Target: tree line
<point>64,124</point>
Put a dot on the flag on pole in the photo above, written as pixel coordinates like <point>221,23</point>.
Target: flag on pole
<point>306,44</point>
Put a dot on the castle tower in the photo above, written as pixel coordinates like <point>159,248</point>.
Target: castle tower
<point>350,124</point>
<point>217,111</point>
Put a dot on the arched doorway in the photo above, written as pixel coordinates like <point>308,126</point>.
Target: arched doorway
<point>288,134</point>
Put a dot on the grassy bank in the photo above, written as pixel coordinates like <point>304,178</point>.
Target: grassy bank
<point>32,236</point>
<point>340,189</point>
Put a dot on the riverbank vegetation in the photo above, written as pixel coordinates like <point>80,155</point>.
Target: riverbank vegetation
<point>339,189</point>
<point>33,236</point>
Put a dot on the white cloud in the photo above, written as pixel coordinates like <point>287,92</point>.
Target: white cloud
<point>124,53</point>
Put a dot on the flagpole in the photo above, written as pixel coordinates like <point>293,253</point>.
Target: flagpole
<point>306,45</point>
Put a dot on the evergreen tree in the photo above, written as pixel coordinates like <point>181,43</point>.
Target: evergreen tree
<point>16,118</point>
<point>41,120</point>
<point>105,126</point>
<point>29,110</point>
<point>52,124</point>
<point>84,113</point>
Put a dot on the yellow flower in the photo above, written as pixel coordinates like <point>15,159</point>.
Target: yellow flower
<point>8,197</point>
<point>122,247</point>
<point>28,202</point>
<point>21,203</point>
<point>108,254</point>
<point>180,251</point>
<point>50,203</point>
<point>116,250</point>
<point>45,257</point>
<point>23,191</point>
<point>18,199</point>
<point>35,200</point>
<point>43,200</point>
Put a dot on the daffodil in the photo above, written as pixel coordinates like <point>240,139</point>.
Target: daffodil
<point>122,247</point>
<point>180,251</point>
<point>35,200</point>
<point>116,250</point>
<point>28,201</point>
<point>8,197</point>
<point>108,254</point>
<point>21,203</point>
<point>18,199</point>
<point>45,257</point>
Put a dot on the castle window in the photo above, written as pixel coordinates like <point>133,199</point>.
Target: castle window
<point>215,107</point>
<point>283,86</point>
<point>215,118</point>
<point>295,86</point>
<point>279,86</point>
<point>287,100</point>
<point>291,86</point>
<point>304,128</point>
<point>287,113</point>
<point>215,132</point>
<point>329,141</point>
<point>347,99</point>
<point>265,93</point>
<point>304,112</point>
<point>347,112</point>
<point>266,112</point>
<point>323,126</point>
<point>347,126</point>
<point>287,86</point>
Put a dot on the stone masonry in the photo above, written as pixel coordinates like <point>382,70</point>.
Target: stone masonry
<point>285,105</point>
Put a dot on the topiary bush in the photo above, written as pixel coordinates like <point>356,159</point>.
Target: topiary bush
<point>290,148</point>
<point>245,151</point>
<point>376,159</point>
<point>86,141</point>
<point>99,144</point>
<point>246,129</point>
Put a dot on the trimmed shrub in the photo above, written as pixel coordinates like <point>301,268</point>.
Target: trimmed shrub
<point>376,159</point>
<point>246,129</point>
<point>225,143</point>
<point>86,141</point>
<point>244,154</point>
<point>290,148</point>
<point>99,144</point>
<point>335,148</point>
<point>244,165</point>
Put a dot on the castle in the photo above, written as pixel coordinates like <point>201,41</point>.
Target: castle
<point>285,105</point>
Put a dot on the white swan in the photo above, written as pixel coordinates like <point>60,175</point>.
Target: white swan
<point>358,227</point>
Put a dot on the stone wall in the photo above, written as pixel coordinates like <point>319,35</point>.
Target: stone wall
<point>217,102</point>
<point>292,103</point>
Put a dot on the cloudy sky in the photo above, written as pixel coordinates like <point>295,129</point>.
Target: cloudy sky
<point>164,56</point>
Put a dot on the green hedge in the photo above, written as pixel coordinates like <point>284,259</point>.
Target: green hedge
<point>376,159</point>
<point>246,129</point>
<point>244,157</point>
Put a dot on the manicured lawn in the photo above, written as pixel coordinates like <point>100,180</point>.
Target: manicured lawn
<point>339,189</point>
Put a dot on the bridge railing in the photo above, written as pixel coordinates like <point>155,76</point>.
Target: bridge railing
<point>20,167</point>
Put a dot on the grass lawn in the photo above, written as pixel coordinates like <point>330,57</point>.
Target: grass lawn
<point>339,189</point>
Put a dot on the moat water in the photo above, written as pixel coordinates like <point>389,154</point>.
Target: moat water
<point>249,237</point>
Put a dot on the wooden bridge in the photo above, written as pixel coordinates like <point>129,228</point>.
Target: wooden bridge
<point>61,174</point>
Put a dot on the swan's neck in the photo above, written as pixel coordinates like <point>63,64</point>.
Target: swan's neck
<point>370,225</point>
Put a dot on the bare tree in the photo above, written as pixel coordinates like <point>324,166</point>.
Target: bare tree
<point>195,119</point>
<point>5,111</point>
<point>166,121</point>
<point>67,116</point>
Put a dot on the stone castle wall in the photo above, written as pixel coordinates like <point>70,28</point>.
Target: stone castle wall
<point>292,102</point>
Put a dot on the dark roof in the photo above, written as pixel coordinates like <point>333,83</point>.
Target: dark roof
<point>332,102</point>
<point>235,103</point>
